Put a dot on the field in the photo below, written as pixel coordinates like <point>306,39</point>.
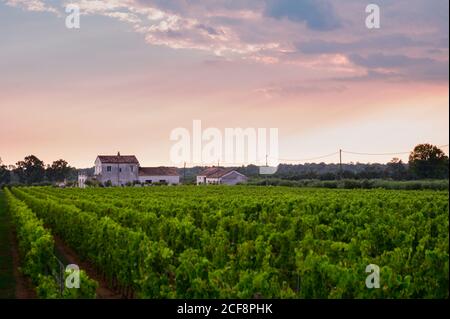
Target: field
<point>247,242</point>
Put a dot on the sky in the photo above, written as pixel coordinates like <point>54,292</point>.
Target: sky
<point>137,69</point>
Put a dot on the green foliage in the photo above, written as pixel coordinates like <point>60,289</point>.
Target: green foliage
<point>87,289</point>
<point>354,184</point>
<point>252,242</point>
<point>30,170</point>
<point>428,161</point>
<point>93,183</point>
<point>7,279</point>
<point>47,288</point>
<point>59,171</point>
<point>35,242</point>
<point>5,176</point>
<point>36,247</point>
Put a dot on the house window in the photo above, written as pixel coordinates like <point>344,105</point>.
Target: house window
<point>132,168</point>
<point>149,181</point>
<point>120,170</point>
<point>108,168</point>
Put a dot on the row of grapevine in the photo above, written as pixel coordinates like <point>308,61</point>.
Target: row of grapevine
<point>243,242</point>
<point>36,246</point>
<point>123,255</point>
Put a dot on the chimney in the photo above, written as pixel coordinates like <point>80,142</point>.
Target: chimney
<point>118,153</point>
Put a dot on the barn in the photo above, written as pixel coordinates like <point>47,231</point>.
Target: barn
<point>165,175</point>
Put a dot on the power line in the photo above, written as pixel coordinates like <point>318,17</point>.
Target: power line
<point>374,154</point>
<point>305,159</point>
<point>332,154</point>
<point>384,154</point>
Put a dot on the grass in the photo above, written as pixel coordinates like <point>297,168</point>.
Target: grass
<point>7,281</point>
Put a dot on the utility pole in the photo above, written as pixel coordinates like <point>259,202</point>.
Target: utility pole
<point>340,163</point>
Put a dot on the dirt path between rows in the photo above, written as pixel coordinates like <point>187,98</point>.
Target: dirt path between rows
<point>103,291</point>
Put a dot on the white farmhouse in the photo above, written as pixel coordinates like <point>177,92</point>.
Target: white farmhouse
<point>121,170</point>
<point>220,175</point>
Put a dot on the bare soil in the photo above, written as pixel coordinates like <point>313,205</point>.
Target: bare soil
<point>103,290</point>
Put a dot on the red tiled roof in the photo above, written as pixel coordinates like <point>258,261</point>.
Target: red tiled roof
<point>216,172</point>
<point>158,171</point>
<point>118,159</point>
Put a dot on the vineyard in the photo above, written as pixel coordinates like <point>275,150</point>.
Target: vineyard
<point>241,242</point>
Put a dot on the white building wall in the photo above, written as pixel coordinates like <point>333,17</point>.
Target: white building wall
<point>82,180</point>
<point>118,174</point>
<point>98,167</point>
<point>158,179</point>
<point>201,180</point>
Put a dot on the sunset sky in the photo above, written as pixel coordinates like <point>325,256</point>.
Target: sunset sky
<point>137,69</point>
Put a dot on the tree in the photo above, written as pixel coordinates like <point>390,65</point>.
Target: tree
<point>30,170</point>
<point>396,169</point>
<point>428,161</point>
<point>4,174</point>
<point>58,171</point>
<point>371,172</point>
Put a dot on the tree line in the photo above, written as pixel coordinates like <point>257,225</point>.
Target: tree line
<point>426,161</point>
<point>33,171</point>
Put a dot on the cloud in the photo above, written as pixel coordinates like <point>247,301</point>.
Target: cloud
<point>274,31</point>
<point>295,89</point>
<point>317,14</point>
<point>183,7</point>
<point>175,24</point>
<point>392,41</point>
<point>400,68</point>
<point>32,5</point>
<point>172,24</point>
<point>379,60</point>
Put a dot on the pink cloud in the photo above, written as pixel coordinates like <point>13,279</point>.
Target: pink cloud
<point>33,5</point>
<point>265,32</point>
